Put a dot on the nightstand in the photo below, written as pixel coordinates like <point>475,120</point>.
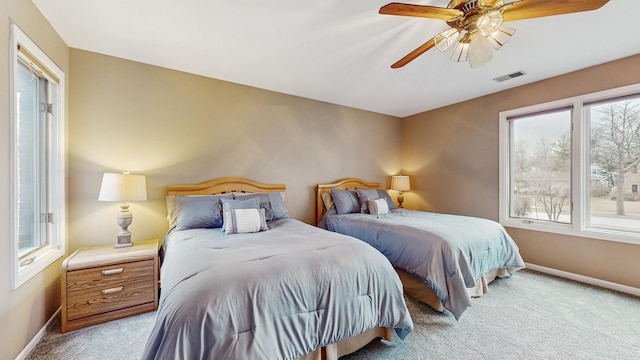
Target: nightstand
<point>101,284</point>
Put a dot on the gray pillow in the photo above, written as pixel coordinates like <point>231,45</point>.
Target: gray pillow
<point>271,203</point>
<point>194,212</point>
<point>232,204</point>
<point>383,194</point>
<point>364,195</point>
<point>345,201</point>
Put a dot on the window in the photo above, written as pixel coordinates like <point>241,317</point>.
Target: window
<point>541,171</point>
<point>571,166</point>
<point>38,190</point>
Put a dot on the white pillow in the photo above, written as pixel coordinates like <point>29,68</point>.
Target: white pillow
<point>172,213</point>
<point>378,207</point>
<point>327,201</point>
<point>240,221</point>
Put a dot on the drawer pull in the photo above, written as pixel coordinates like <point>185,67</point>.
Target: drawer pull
<point>112,271</point>
<point>112,290</point>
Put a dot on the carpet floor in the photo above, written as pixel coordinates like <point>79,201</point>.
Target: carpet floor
<point>528,316</point>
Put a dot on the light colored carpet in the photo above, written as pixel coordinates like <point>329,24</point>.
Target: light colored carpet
<point>528,316</point>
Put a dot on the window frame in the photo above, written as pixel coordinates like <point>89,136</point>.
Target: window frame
<point>55,184</point>
<point>580,169</point>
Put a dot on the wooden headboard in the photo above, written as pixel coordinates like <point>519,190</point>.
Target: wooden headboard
<point>223,186</point>
<point>348,183</point>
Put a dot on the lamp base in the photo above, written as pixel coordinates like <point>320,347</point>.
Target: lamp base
<point>124,241</point>
<point>400,200</point>
<point>124,219</point>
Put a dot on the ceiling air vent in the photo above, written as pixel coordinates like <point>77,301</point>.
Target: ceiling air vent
<point>509,76</point>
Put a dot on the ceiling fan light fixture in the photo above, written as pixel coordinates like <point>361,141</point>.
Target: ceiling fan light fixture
<point>446,38</point>
<point>500,37</point>
<point>480,51</point>
<point>461,51</point>
<point>480,18</point>
<point>490,22</point>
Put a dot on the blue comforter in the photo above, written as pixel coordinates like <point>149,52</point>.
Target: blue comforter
<point>277,294</point>
<point>448,252</point>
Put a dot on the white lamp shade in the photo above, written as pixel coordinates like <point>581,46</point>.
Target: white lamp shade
<point>480,51</point>
<point>446,38</point>
<point>500,36</point>
<point>489,22</point>
<point>400,183</point>
<point>123,187</point>
<point>461,52</point>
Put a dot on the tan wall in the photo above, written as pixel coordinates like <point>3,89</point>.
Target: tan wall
<point>180,128</point>
<point>452,155</point>
<point>24,311</point>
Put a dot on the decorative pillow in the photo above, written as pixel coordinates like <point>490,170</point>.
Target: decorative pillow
<point>383,194</point>
<point>193,212</point>
<point>378,207</point>
<point>345,201</point>
<point>364,195</point>
<point>240,221</point>
<point>272,203</point>
<point>327,201</point>
<point>230,204</point>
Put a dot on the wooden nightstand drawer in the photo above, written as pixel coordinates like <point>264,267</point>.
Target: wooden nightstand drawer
<point>108,298</point>
<point>103,283</point>
<point>108,275</point>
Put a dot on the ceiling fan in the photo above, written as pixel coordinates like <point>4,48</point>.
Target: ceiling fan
<point>477,25</point>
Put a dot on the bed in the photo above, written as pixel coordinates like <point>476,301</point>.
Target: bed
<point>443,260</point>
<point>291,291</point>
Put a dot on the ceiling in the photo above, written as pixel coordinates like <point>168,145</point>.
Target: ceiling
<point>337,51</point>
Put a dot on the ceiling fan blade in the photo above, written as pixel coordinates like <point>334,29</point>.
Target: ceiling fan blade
<point>432,12</point>
<point>527,9</point>
<point>414,54</point>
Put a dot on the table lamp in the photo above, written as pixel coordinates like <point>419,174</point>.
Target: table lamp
<point>123,187</point>
<point>400,183</point>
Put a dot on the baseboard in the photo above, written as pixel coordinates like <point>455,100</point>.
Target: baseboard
<point>585,279</point>
<point>36,339</point>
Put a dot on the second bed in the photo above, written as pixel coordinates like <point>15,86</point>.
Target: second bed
<point>443,260</point>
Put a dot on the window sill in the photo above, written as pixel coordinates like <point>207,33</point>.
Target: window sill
<point>42,259</point>
<point>567,229</point>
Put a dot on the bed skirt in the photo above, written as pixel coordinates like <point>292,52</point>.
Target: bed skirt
<point>419,290</point>
<point>352,344</point>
